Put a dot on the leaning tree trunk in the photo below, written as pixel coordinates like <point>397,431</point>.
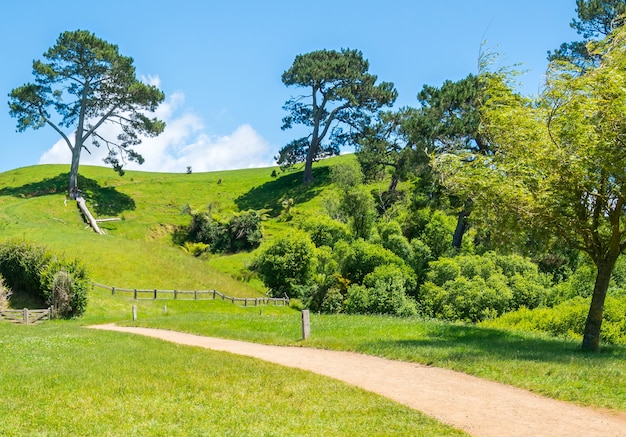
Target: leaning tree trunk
<point>88,216</point>
<point>593,325</point>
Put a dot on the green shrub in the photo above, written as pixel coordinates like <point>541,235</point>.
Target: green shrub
<point>384,291</point>
<point>325,231</point>
<point>474,288</point>
<point>34,270</point>
<point>567,319</point>
<point>241,232</point>
<point>21,264</point>
<point>287,265</point>
<point>358,259</point>
<point>438,234</point>
<point>65,286</point>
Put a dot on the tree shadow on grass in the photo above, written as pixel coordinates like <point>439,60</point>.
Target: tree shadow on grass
<point>270,195</point>
<point>461,343</point>
<point>104,200</point>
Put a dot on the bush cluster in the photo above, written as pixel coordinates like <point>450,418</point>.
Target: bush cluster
<point>61,283</point>
<point>474,288</point>
<point>241,232</point>
<point>567,319</point>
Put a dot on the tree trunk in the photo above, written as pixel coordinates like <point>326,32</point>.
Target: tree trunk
<point>73,185</point>
<point>308,165</point>
<point>593,325</point>
<point>461,225</point>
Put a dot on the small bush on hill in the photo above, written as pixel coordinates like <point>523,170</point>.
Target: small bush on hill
<point>286,266</point>
<point>241,232</point>
<point>34,270</point>
<point>324,231</point>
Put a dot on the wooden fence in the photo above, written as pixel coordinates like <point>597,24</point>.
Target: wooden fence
<point>26,316</point>
<point>153,294</point>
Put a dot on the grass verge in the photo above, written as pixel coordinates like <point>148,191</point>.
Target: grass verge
<point>59,379</point>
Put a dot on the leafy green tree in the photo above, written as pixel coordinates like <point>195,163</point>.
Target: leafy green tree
<point>287,265</point>
<point>88,84</point>
<point>559,166</point>
<point>356,203</point>
<point>343,97</point>
<point>596,18</point>
<point>448,121</point>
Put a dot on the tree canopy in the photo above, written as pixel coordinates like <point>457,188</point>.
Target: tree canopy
<point>343,97</point>
<point>558,165</point>
<point>88,84</point>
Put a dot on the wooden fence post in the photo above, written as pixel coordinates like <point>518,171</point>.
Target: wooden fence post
<point>155,294</point>
<point>134,312</point>
<point>306,325</point>
<point>112,291</point>
<point>25,316</point>
<point>175,294</point>
<point>135,294</point>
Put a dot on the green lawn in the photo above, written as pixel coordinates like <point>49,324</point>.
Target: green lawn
<point>548,366</point>
<point>59,379</point>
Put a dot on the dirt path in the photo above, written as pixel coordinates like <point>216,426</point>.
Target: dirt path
<point>479,407</point>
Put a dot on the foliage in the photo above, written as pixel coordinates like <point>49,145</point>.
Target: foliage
<point>384,291</point>
<point>474,288</point>
<point>323,230</point>
<point>567,319</point>
<point>355,202</point>
<point>196,249</point>
<point>596,18</point>
<point>360,258</point>
<point>287,264</point>
<point>241,232</point>
<point>62,283</point>
<point>89,85</point>
<point>559,166</point>
<point>343,99</point>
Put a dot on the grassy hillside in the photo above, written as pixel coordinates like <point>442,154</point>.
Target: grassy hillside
<point>137,251</point>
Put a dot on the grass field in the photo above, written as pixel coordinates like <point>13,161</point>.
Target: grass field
<point>59,378</point>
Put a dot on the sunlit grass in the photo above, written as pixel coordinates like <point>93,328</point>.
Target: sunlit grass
<point>59,379</point>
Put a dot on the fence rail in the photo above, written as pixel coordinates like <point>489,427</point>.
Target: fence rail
<point>26,316</point>
<point>153,294</point>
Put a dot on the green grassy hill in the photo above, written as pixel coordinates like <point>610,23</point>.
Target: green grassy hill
<point>137,251</point>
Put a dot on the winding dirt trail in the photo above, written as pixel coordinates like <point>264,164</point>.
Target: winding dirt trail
<point>477,406</point>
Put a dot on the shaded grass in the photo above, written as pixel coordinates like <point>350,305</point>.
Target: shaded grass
<point>59,379</point>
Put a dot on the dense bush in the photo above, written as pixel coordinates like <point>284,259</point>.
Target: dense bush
<point>360,258</point>
<point>324,231</point>
<point>568,319</point>
<point>34,270</point>
<point>384,291</point>
<point>474,288</point>
<point>241,232</point>
<point>286,266</point>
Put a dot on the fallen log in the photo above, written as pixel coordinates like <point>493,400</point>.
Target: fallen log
<point>92,221</point>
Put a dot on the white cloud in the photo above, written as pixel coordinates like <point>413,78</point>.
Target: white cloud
<point>183,143</point>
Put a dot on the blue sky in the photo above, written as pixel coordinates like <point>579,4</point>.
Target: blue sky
<point>220,63</point>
